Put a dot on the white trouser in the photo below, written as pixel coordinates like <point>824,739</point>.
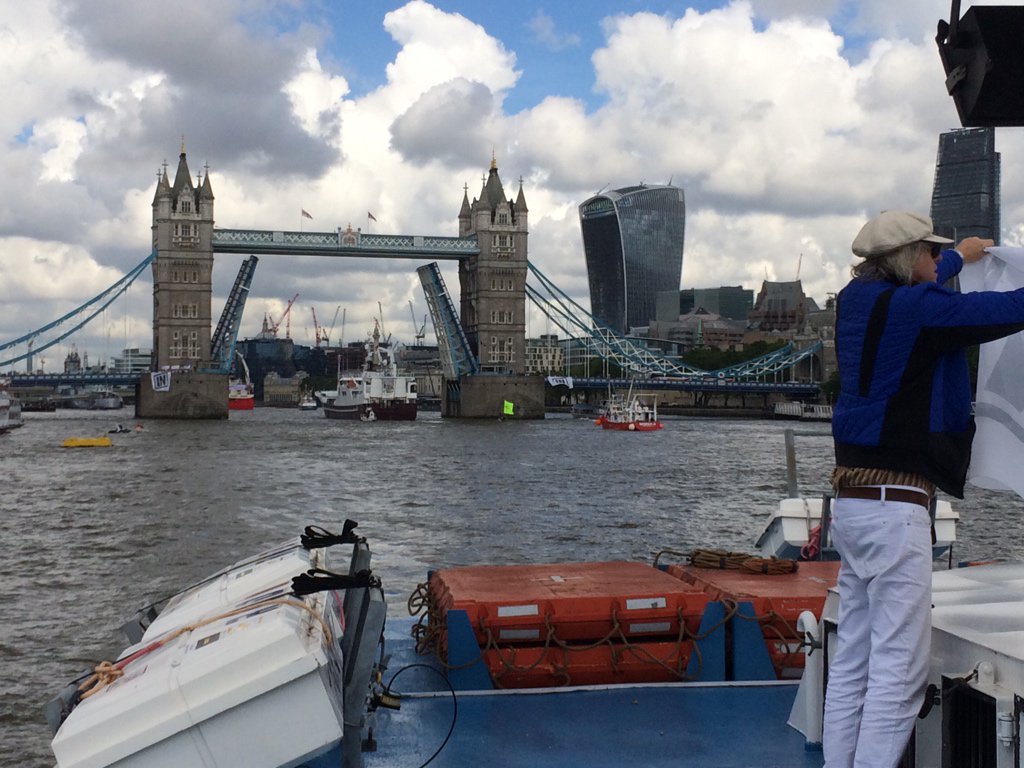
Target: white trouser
<point>877,676</point>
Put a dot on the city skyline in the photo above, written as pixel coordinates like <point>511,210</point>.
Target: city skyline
<point>786,123</point>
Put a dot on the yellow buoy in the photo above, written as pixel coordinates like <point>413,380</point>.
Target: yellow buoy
<point>88,442</point>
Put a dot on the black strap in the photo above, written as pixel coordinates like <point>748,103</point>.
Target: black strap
<point>319,580</point>
<point>316,537</point>
<point>873,340</point>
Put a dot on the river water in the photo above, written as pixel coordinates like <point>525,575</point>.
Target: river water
<point>89,535</point>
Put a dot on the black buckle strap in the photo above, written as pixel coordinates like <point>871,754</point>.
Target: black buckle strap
<point>316,537</point>
<point>318,580</point>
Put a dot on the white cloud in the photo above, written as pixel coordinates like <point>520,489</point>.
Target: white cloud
<point>782,140</point>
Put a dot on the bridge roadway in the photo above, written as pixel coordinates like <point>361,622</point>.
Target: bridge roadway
<point>20,380</point>
<point>702,384</point>
<point>343,243</point>
<point>794,389</point>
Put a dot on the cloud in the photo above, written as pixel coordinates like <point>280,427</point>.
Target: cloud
<point>448,123</point>
<point>543,28</point>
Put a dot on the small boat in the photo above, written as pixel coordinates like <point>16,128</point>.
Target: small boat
<point>308,403</point>
<point>629,414</point>
<point>10,409</point>
<point>5,408</point>
<point>106,401</point>
<point>39,405</point>
<point>797,411</point>
<point>88,442</point>
<point>241,396</point>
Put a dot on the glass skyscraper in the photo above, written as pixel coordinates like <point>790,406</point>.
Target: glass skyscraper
<point>633,243</point>
<point>965,197</point>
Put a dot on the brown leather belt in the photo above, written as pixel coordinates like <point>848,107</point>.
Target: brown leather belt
<point>885,493</point>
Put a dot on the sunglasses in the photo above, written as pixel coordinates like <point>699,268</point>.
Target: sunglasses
<point>933,248</point>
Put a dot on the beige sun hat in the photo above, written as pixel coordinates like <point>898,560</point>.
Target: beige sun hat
<point>891,230</point>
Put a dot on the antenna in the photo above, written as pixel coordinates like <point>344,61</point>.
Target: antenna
<point>799,261</point>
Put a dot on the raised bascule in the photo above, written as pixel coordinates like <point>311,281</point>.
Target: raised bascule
<point>483,346</point>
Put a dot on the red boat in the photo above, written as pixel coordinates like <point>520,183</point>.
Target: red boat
<point>629,415</point>
<point>240,393</point>
<point>240,397</point>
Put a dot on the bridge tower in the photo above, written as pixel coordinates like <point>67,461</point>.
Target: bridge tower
<point>492,308</point>
<point>183,269</point>
<point>184,387</point>
<point>493,283</point>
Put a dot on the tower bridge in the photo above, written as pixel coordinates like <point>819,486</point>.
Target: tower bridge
<point>483,342</point>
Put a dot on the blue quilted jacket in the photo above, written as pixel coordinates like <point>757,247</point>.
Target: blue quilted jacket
<point>905,392</point>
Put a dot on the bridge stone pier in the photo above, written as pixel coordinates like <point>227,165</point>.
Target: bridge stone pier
<point>491,250</point>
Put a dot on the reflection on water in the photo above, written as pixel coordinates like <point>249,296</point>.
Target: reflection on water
<point>89,535</point>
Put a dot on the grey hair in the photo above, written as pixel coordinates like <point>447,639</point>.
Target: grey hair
<point>894,266</point>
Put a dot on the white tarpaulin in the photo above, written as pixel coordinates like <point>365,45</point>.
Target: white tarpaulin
<point>996,460</point>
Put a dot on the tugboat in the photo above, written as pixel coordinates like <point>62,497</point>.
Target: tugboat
<point>379,393</point>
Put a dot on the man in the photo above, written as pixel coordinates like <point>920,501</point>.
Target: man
<point>902,426</point>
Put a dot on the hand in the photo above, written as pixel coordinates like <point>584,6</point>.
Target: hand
<point>973,248</point>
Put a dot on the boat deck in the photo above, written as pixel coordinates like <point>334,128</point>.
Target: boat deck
<point>684,725</point>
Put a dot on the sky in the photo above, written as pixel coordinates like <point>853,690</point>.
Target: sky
<point>787,123</point>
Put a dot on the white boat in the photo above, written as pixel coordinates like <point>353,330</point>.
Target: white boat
<point>250,667</point>
<point>10,408</point>
<point>802,411</point>
<point>308,403</point>
<point>795,529</point>
<point>378,393</point>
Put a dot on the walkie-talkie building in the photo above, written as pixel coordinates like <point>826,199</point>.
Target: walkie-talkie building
<point>965,198</point>
<point>633,242</point>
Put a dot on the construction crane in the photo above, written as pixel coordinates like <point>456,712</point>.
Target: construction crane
<point>288,324</point>
<point>419,333</point>
<point>330,331</point>
<point>318,331</point>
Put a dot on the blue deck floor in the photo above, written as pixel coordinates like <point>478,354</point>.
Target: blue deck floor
<point>691,725</point>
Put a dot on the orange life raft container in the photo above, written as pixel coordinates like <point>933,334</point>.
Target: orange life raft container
<point>777,602</point>
<point>574,623</point>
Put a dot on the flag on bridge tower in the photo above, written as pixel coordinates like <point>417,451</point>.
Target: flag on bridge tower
<point>306,214</point>
<point>370,216</point>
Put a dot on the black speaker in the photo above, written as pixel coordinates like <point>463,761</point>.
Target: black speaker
<point>983,55</point>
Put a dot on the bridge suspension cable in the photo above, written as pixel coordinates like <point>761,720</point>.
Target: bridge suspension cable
<point>576,322</point>
<point>79,316</point>
<point>605,343</point>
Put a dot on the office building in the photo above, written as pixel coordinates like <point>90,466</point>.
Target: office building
<point>965,196</point>
<point>633,243</point>
<point>730,301</point>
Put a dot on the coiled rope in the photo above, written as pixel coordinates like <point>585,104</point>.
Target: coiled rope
<point>722,560</point>
<point>107,672</point>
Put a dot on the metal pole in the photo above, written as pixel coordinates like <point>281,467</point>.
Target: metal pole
<point>791,486</point>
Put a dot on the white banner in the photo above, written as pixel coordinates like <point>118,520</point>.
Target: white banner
<point>999,407</point>
<point>161,381</point>
<point>555,381</point>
